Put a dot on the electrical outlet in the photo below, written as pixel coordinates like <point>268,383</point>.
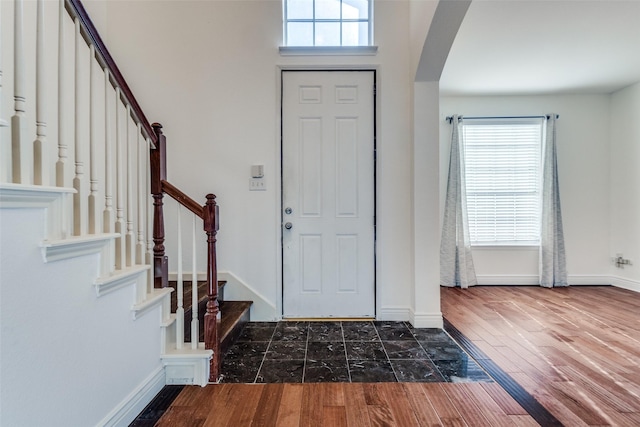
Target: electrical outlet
<point>257,184</point>
<point>620,262</point>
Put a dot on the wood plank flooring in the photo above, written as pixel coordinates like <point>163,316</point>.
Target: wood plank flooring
<point>345,405</point>
<point>576,350</point>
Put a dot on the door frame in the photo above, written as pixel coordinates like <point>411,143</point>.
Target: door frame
<point>280,70</point>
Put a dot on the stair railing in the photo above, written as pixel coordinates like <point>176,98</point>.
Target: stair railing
<point>209,214</point>
<point>102,137</point>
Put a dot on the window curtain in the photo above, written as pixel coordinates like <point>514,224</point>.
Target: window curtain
<point>456,262</point>
<point>553,269</point>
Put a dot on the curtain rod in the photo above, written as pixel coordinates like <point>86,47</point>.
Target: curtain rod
<point>449,118</point>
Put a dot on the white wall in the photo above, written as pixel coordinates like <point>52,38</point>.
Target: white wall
<point>625,184</point>
<point>426,212</point>
<point>583,165</point>
<point>69,358</point>
<point>421,14</point>
<point>210,74</point>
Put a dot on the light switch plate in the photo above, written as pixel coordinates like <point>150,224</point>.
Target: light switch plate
<point>257,184</point>
<point>257,171</point>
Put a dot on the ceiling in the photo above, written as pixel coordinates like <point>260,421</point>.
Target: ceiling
<point>520,47</point>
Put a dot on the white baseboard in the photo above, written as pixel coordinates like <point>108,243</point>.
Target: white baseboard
<point>501,280</point>
<point>237,289</point>
<point>396,314</point>
<point>619,282</point>
<point>426,320</point>
<point>404,314</point>
<point>534,280</point>
<point>136,401</point>
<point>575,280</point>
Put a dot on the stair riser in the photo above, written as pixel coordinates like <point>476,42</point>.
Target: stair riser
<point>187,297</point>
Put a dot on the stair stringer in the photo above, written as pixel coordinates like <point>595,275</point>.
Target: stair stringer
<point>181,366</point>
<point>59,331</point>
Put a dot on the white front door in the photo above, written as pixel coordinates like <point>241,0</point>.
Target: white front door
<point>328,203</point>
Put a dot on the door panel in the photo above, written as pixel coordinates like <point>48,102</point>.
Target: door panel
<point>310,171</point>
<point>328,184</point>
<point>346,168</point>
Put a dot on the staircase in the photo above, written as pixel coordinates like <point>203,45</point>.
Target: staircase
<point>104,187</point>
<point>235,314</point>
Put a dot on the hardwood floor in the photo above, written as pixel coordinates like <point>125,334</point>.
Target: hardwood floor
<point>346,404</point>
<point>576,350</point>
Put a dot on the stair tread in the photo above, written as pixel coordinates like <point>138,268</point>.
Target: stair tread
<point>186,284</point>
<point>233,316</point>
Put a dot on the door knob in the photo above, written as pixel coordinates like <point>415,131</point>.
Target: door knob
<point>288,226</point>
<point>288,211</point>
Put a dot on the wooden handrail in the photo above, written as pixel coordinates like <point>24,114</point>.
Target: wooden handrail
<point>92,37</point>
<point>182,198</point>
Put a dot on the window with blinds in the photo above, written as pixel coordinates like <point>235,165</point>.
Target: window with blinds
<point>502,166</point>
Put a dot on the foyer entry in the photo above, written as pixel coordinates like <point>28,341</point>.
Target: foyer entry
<point>350,351</point>
<point>328,194</point>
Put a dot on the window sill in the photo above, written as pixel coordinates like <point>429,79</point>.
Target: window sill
<point>328,50</point>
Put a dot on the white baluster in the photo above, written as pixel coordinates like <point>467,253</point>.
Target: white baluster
<point>107,214</point>
<point>94,225</point>
<point>62,89</point>
<point>195,335</point>
<point>40,163</point>
<point>5,157</point>
<point>179,288</point>
<point>79,201</point>
<point>20,163</point>
<point>130,187</point>
<point>149,214</point>
<point>120,173</point>
<point>142,196</point>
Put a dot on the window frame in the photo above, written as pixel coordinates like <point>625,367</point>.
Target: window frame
<point>369,21</point>
<point>534,161</point>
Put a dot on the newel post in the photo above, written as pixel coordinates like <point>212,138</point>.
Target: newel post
<point>212,316</point>
<point>158,174</point>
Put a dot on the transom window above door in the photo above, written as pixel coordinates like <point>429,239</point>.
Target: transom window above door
<point>327,23</point>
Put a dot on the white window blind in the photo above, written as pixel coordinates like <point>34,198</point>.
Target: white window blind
<point>502,166</point>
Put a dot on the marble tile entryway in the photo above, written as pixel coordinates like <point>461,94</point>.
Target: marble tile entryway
<point>270,352</point>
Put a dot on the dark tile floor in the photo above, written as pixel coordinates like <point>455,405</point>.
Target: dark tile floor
<point>270,352</point>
